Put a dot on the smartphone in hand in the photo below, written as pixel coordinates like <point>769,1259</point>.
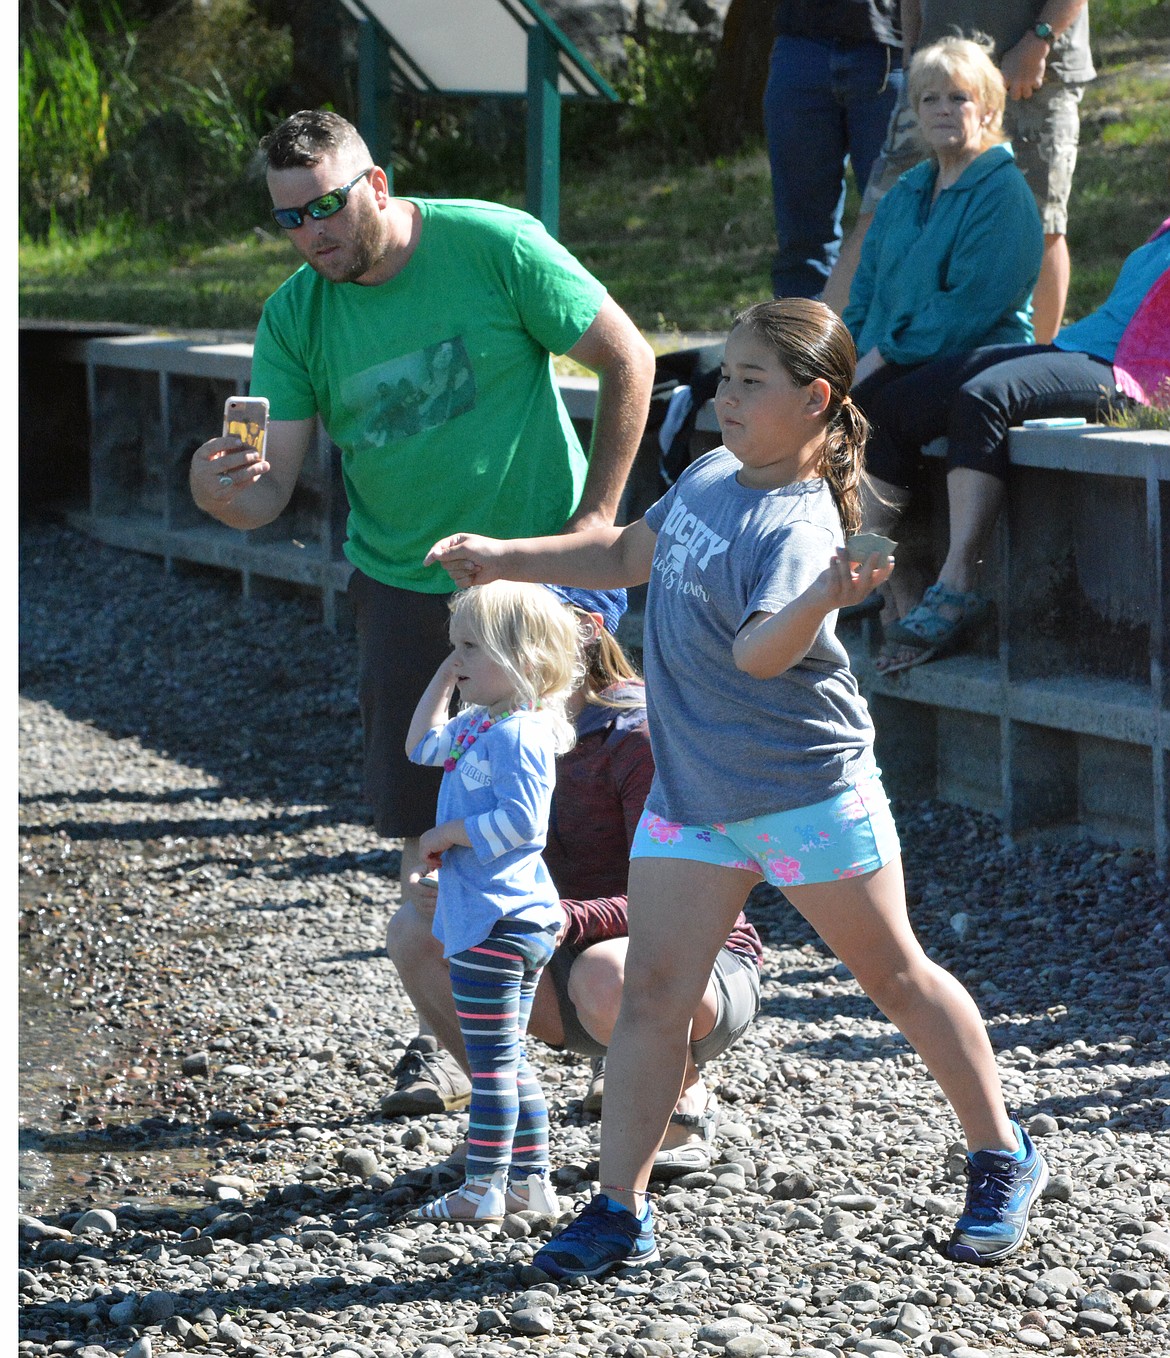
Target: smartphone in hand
<point>246,418</point>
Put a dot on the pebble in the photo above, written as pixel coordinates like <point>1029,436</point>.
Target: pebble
<point>912,1321</point>
<point>203,909</point>
<point>1100,1322</point>
<point>359,1160</point>
<point>97,1220</point>
<point>1146,1301</point>
<point>747,1345</point>
<point>721,1332</point>
<point>533,1320</point>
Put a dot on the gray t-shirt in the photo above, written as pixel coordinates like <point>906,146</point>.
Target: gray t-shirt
<point>726,746</point>
<point>1005,22</point>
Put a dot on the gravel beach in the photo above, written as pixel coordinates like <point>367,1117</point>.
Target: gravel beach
<point>208,1023</point>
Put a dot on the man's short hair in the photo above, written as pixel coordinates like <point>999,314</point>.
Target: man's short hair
<point>311,136</point>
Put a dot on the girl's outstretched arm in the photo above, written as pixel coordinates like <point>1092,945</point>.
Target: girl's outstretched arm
<point>770,643</point>
<point>601,557</point>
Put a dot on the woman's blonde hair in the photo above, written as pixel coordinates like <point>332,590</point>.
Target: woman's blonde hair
<point>533,638</point>
<point>811,342</point>
<point>967,62</point>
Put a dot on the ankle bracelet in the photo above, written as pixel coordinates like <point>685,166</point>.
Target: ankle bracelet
<point>617,1188</point>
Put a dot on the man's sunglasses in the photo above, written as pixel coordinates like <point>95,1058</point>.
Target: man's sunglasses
<point>325,206</point>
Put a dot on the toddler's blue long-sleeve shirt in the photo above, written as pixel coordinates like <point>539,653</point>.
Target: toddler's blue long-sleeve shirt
<point>501,788</point>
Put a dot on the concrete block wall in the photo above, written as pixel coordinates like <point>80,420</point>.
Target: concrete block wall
<point>1058,715</point>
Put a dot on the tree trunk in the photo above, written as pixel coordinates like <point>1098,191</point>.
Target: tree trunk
<point>732,112</point>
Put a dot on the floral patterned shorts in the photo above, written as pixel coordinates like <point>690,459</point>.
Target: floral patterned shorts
<point>846,836</point>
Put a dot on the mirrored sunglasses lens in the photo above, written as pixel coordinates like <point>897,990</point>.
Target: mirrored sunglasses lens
<point>287,217</point>
<point>327,204</point>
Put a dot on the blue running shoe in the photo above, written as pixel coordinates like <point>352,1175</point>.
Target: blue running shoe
<point>606,1235</point>
<point>1000,1193</point>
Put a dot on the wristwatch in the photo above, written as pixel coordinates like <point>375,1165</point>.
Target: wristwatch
<point>1044,33</point>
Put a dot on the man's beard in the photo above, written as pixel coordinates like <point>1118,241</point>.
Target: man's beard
<point>364,249</point>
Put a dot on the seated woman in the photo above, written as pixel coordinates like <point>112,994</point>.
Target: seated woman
<point>954,250</point>
<point>955,246</point>
<point>599,797</point>
<point>1116,355</point>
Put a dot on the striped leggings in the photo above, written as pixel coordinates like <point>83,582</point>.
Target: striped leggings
<point>493,985</point>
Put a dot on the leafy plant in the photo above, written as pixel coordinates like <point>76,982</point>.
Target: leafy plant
<point>1156,415</point>
<point>1133,16</point>
<point>201,73</point>
<point>63,117</point>
<point>187,163</point>
<point>161,122</point>
<point>662,86</point>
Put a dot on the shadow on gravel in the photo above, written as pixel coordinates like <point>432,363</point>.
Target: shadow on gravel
<point>162,1136</point>
<point>822,1010</point>
<point>320,1296</point>
<point>256,693</point>
<point>176,796</point>
<point>80,831</point>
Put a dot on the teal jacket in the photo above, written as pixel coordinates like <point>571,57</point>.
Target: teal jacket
<point>943,278</point>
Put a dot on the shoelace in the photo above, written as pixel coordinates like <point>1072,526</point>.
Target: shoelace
<point>415,1062</point>
<point>596,1208</point>
<point>990,1190</point>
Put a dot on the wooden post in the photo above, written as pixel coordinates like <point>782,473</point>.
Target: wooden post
<point>544,130</point>
<point>375,96</point>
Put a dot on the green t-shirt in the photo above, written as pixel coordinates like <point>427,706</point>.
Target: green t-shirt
<point>437,385</point>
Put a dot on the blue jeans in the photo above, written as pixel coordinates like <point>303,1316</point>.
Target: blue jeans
<point>824,101</point>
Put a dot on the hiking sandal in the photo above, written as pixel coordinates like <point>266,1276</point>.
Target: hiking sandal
<point>691,1155</point>
<point>933,627</point>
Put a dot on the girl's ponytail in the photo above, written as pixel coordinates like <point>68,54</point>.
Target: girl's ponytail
<point>843,462</point>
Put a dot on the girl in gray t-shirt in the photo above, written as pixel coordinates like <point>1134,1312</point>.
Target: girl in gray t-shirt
<point>763,749</point>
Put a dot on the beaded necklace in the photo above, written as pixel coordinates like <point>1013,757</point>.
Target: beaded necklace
<point>472,732</point>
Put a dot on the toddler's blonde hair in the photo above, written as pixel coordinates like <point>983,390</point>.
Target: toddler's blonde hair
<point>534,638</point>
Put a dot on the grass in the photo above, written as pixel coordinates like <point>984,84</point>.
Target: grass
<point>681,246</point>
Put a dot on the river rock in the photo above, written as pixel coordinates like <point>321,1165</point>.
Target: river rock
<point>97,1220</point>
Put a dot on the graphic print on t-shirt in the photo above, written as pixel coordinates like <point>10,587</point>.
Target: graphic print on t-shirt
<point>475,769</point>
<point>414,392</point>
<point>690,541</point>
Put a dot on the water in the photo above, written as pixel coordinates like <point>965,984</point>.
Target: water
<point>75,1149</point>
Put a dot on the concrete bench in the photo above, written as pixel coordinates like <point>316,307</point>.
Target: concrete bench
<point>1060,712</point>
<point>1056,716</point>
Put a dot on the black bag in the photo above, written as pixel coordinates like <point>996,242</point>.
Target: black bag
<point>698,370</point>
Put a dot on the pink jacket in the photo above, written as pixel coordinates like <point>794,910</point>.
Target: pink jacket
<point>1141,365</point>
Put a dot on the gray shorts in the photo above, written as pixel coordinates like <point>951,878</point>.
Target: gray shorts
<point>1044,132</point>
<point>737,1002</point>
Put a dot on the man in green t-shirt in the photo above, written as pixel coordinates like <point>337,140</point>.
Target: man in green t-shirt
<point>421,332</point>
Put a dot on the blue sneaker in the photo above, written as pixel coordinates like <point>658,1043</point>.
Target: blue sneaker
<point>606,1235</point>
<point>1000,1193</point>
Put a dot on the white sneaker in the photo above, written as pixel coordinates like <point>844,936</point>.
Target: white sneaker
<point>534,1194</point>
